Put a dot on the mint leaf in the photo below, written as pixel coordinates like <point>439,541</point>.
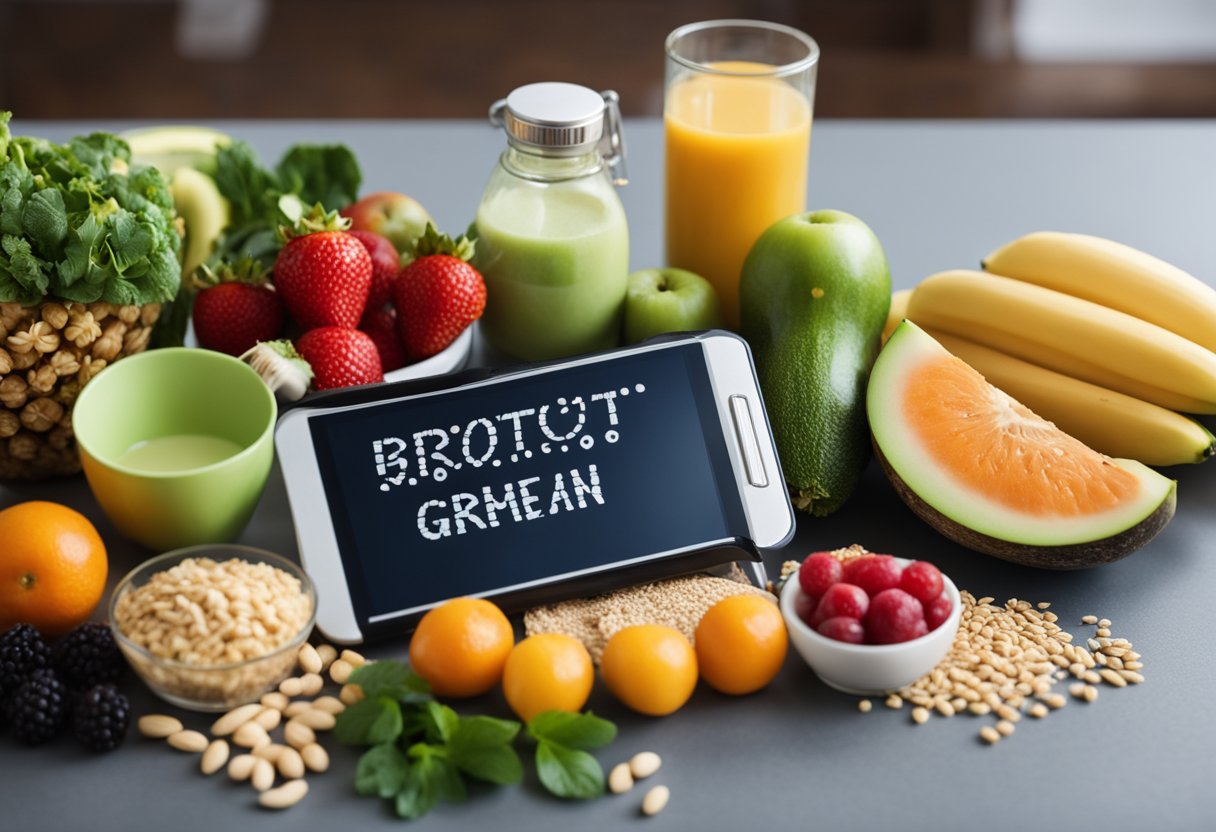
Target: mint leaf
<point>481,747</point>
<point>392,679</point>
<point>499,765</point>
<point>431,777</point>
<point>381,771</point>
<point>438,722</point>
<point>475,733</point>
<point>579,731</point>
<point>568,773</point>
<point>370,722</point>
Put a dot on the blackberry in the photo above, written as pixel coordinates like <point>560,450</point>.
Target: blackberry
<point>101,717</point>
<point>22,651</point>
<point>88,656</point>
<point>38,709</point>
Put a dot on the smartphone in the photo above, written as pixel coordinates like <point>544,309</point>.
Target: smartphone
<point>532,484</point>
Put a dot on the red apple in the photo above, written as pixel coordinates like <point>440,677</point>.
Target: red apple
<point>398,217</point>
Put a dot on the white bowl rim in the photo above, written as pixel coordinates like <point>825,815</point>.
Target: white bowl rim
<point>449,359</point>
<point>794,620</point>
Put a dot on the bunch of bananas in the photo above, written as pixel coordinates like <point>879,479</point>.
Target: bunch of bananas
<point>1106,341</point>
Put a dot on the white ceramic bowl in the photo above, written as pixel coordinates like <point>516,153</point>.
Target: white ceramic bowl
<point>869,669</point>
<point>451,359</point>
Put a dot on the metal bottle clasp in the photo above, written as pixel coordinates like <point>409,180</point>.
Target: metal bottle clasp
<point>612,145</point>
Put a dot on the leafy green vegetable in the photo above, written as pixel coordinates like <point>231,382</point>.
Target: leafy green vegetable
<point>260,201</point>
<point>562,762</point>
<point>79,224</point>
<point>422,750</point>
<point>381,771</point>
<point>569,773</point>
<point>392,679</point>
<point>328,174</point>
<point>581,731</point>
<point>372,721</point>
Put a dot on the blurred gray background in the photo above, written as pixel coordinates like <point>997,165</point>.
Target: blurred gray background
<point>207,59</point>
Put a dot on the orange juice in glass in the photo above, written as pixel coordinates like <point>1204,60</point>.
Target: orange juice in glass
<point>737,116</point>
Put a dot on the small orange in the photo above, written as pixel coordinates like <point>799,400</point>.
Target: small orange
<point>460,647</point>
<point>650,668</point>
<point>741,644</point>
<point>547,672</point>
<point>52,567</point>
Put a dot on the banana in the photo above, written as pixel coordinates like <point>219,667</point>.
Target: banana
<point>1113,275</point>
<point>1076,337</point>
<point>205,212</point>
<point>172,147</point>
<point>897,312</point>
<point>1109,422</point>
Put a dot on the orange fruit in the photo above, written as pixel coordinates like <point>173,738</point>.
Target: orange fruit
<point>741,644</point>
<point>650,668</point>
<point>52,567</point>
<point>547,672</point>
<point>460,647</point>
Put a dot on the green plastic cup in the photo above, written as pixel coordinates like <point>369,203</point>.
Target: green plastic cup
<point>176,445</point>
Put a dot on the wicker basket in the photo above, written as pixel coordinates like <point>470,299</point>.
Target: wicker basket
<point>47,353</point>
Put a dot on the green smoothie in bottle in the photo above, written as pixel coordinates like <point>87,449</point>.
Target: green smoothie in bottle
<point>553,244</point>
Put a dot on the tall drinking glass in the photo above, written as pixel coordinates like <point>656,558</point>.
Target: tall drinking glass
<point>737,115</point>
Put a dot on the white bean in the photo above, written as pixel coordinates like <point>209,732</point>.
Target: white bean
<point>285,796</point>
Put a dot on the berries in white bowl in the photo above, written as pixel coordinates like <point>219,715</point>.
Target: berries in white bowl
<point>871,624</point>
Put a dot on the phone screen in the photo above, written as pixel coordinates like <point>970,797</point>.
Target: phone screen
<point>502,485</point>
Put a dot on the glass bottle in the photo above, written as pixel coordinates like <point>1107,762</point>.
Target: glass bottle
<point>552,241</point>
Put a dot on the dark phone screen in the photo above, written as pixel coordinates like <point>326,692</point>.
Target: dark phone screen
<point>526,479</point>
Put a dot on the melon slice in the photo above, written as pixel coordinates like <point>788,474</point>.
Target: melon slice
<point>992,476</point>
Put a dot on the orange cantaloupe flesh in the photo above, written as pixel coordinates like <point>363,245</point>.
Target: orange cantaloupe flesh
<point>1000,448</point>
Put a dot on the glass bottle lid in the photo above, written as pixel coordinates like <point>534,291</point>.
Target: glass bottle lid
<point>554,114</point>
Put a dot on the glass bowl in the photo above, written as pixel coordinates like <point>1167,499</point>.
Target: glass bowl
<point>211,687</point>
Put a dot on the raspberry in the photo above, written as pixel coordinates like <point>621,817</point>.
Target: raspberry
<point>804,607</point>
<point>873,573</point>
<point>937,612</point>
<point>843,628</point>
<point>841,600</point>
<point>922,581</point>
<point>818,572</point>
<point>895,616</point>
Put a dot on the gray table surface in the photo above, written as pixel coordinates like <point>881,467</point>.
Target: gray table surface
<point>798,755</point>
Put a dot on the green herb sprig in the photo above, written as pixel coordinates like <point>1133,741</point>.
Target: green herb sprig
<point>423,751</point>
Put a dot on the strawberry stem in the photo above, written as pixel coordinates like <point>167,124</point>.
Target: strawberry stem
<point>433,242</point>
<point>314,220</point>
<point>244,270</point>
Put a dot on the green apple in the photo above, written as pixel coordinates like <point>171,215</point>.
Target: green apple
<point>668,300</point>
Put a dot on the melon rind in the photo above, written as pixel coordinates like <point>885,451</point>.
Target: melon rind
<point>946,495</point>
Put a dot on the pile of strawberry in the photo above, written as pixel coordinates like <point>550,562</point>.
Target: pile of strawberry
<point>352,311</point>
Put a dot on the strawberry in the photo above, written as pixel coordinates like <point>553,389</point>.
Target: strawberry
<point>235,308</point>
<point>438,294</point>
<point>386,265</point>
<point>323,273</point>
<point>381,327</point>
<point>340,357</point>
